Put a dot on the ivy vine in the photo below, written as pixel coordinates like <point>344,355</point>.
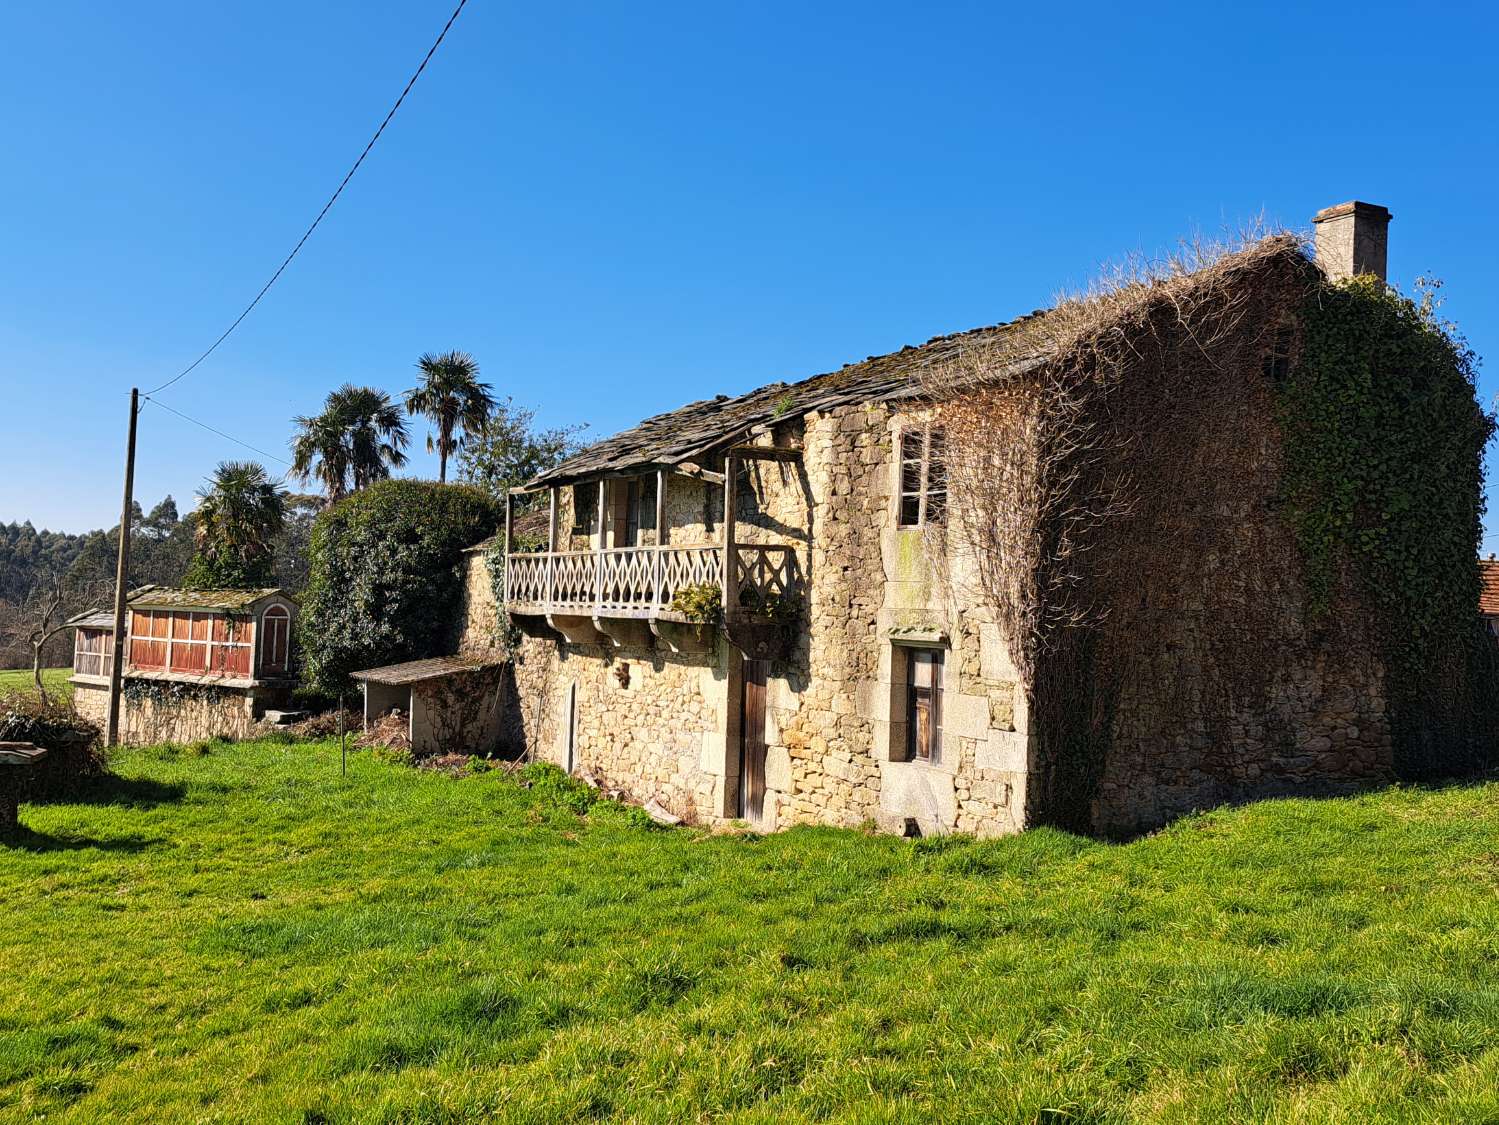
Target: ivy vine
<point>1382,484</point>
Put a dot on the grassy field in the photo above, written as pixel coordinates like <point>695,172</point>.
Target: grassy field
<point>19,679</point>
<point>244,935</point>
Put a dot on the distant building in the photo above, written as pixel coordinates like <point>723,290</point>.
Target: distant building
<point>198,663</point>
<point>1488,595</point>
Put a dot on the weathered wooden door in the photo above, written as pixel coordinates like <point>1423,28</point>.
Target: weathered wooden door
<point>752,742</point>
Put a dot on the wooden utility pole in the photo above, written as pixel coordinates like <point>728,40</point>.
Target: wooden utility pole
<point>122,579</point>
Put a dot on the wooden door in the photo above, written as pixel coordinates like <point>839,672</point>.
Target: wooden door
<point>752,742</point>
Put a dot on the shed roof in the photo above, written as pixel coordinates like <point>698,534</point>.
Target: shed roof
<point>92,619</point>
<point>229,601</point>
<point>433,668</point>
<point>681,436</point>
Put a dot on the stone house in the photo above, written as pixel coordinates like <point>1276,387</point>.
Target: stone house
<point>746,609</point>
<point>198,663</point>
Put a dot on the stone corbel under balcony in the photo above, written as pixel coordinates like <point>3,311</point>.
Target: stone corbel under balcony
<point>625,632</point>
<point>576,629</point>
<point>684,636</point>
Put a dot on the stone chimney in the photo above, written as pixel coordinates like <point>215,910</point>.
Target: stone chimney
<point>1352,238</point>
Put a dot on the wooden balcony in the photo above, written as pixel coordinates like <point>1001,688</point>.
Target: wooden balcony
<point>640,582</point>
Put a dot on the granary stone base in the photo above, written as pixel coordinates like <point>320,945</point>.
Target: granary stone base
<point>221,713</point>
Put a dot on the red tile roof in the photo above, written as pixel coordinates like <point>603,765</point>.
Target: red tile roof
<point>1488,597</point>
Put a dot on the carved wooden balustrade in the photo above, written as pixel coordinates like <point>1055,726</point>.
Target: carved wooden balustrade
<point>638,582</point>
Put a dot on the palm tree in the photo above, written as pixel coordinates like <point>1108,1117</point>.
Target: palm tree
<point>238,518</point>
<point>453,399</point>
<point>357,439</point>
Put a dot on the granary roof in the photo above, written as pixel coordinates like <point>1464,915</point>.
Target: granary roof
<point>1488,595</point>
<point>681,437</point>
<point>415,671</point>
<point>228,601</point>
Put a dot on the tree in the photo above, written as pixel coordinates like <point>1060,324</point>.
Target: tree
<point>161,521</point>
<point>507,450</point>
<point>44,615</point>
<point>292,543</point>
<point>385,580</point>
<point>453,399</point>
<point>239,515</point>
<point>356,440</point>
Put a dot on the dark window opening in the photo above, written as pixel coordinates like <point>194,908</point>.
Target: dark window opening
<point>923,478</point>
<point>712,507</point>
<point>585,508</point>
<point>924,704</point>
<point>1277,364</point>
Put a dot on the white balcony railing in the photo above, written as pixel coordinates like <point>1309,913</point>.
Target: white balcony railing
<point>637,581</point>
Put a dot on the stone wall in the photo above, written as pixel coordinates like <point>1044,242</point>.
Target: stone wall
<point>642,719</point>
<point>876,590</point>
<point>199,712</point>
<point>1204,669</point>
<point>835,706</point>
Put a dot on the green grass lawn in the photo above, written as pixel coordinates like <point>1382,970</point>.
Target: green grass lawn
<point>19,679</point>
<point>247,936</point>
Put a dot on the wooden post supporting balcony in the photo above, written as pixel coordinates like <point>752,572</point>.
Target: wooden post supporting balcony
<point>730,543</point>
<point>598,558</point>
<point>658,563</point>
<point>551,543</point>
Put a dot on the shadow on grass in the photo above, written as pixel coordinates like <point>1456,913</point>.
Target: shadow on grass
<point>24,839</point>
<point>112,789</point>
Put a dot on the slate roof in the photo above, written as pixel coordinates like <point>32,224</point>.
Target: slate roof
<point>229,601</point>
<point>1488,596</point>
<point>683,436</point>
<point>415,671</point>
<point>92,619</point>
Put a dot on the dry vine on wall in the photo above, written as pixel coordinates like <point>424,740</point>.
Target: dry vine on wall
<point>1102,459</point>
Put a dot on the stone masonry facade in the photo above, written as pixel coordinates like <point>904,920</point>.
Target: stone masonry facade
<point>661,720</point>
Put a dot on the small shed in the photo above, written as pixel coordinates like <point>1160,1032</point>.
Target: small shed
<point>93,646</point>
<point>452,704</point>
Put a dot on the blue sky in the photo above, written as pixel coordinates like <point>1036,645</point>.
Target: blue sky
<point>619,208</point>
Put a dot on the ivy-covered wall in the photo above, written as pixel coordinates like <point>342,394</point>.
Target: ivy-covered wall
<point>1290,599</point>
<point>1383,486</point>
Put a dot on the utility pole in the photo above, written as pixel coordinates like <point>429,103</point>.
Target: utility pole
<point>122,578</point>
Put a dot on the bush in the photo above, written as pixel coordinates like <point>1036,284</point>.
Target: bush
<point>385,580</point>
<point>555,787</point>
<point>74,751</point>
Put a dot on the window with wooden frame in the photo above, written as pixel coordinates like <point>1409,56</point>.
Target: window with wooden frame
<point>924,704</point>
<point>923,477</point>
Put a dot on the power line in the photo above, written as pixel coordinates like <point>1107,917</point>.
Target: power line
<point>212,430</point>
<point>326,207</point>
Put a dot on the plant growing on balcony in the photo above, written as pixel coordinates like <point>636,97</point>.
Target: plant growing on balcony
<point>701,602</point>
